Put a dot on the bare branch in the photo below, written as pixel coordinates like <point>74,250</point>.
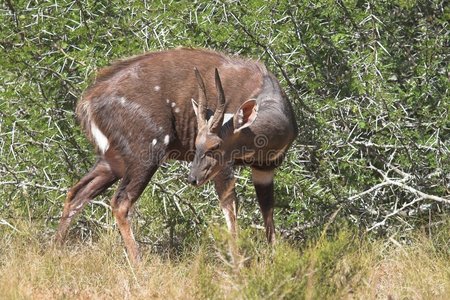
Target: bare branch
<point>401,183</point>
<point>37,185</point>
<point>394,213</point>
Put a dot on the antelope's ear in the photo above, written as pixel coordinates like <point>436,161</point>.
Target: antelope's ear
<point>245,115</point>
<point>195,106</point>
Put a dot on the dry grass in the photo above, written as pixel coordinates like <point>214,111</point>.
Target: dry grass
<point>31,268</point>
<point>416,271</point>
<point>342,266</point>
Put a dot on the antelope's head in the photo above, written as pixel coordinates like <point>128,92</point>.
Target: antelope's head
<point>213,145</point>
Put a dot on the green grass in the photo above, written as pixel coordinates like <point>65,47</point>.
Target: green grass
<point>339,265</point>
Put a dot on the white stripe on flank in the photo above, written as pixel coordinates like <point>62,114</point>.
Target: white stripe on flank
<point>100,139</point>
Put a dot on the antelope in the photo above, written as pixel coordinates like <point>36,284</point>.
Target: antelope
<point>195,105</point>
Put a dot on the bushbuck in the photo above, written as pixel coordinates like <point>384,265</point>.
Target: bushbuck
<point>186,104</point>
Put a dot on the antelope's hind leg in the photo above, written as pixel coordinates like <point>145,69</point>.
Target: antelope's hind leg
<point>131,187</point>
<point>91,185</point>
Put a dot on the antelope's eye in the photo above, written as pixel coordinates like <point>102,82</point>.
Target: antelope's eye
<point>211,150</point>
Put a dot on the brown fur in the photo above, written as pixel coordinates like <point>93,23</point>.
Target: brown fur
<point>142,109</point>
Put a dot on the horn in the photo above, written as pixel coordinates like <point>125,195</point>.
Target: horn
<point>217,118</point>
<point>201,115</point>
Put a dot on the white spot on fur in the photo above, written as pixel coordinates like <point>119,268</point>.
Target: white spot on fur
<point>262,177</point>
<point>157,88</point>
<point>167,101</point>
<point>99,138</point>
<point>129,105</point>
<point>154,142</point>
<point>227,117</point>
<point>166,139</point>
<point>173,104</point>
<point>177,110</point>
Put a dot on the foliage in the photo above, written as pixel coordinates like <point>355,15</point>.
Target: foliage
<point>369,81</point>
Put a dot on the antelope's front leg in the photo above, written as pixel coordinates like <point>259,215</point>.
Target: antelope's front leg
<point>224,183</point>
<point>263,182</point>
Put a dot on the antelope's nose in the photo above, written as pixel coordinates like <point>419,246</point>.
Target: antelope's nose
<point>192,180</point>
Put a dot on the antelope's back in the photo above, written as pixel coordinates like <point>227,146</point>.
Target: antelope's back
<point>146,100</point>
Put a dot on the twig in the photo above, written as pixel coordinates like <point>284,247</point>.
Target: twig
<point>401,184</point>
<point>369,144</point>
<point>275,59</point>
<point>197,219</point>
<point>16,20</point>
<point>419,193</point>
<point>372,189</point>
<point>37,185</point>
<point>4,222</point>
<point>395,212</point>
